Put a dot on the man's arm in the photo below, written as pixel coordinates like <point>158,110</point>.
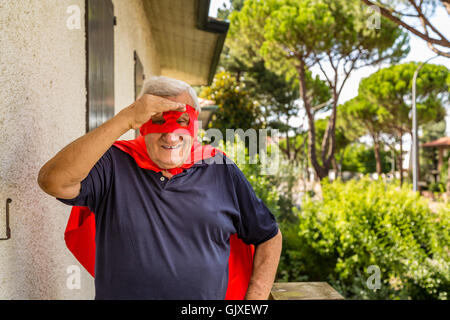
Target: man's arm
<point>265,264</point>
<point>61,176</point>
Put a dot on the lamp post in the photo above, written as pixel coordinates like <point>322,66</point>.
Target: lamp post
<point>415,144</point>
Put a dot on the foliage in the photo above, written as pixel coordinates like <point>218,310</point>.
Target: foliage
<point>363,223</point>
<point>262,184</point>
<point>224,12</point>
<point>286,179</point>
<point>366,114</point>
<point>383,104</point>
<point>411,13</point>
<point>348,123</point>
<point>429,156</point>
<point>291,36</point>
<point>358,157</point>
<point>443,174</point>
<point>438,187</point>
<point>235,110</point>
<point>299,144</point>
<point>274,94</point>
<point>390,90</point>
<point>282,31</point>
<point>341,135</point>
<point>275,189</point>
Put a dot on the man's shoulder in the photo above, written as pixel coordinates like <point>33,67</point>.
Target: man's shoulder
<point>218,160</point>
<point>117,154</point>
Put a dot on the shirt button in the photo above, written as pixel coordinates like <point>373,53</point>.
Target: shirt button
<point>162,178</point>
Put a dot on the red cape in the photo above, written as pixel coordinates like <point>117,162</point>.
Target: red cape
<point>80,230</point>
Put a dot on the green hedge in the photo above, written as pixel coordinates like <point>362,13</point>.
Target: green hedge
<point>363,223</point>
<point>263,185</point>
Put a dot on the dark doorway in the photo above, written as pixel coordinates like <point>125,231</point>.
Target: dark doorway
<point>100,62</point>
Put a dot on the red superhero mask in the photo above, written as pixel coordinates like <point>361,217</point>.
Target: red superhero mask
<point>171,123</point>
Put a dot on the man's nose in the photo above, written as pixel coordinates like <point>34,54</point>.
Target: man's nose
<point>171,137</point>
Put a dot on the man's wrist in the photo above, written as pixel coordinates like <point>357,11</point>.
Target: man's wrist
<point>257,291</point>
<point>126,118</point>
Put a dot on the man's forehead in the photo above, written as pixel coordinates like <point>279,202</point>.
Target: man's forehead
<point>183,97</point>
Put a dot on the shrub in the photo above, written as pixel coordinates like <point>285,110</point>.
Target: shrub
<point>363,223</point>
<point>437,187</point>
<point>358,157</point>
<point>261,184</point>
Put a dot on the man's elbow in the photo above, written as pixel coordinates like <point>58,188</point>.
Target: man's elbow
<point>51,185</point>
<point>44,181</point>
<point>47,184</point>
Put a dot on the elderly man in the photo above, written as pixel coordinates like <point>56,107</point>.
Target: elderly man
<point>163,232</point>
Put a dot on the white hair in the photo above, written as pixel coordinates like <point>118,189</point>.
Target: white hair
<point>167,87</point>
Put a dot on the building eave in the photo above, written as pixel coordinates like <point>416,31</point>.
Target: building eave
<point>188,41</point>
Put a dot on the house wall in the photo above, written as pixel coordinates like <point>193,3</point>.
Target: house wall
<point>42,109</point>
<point>132,33</point>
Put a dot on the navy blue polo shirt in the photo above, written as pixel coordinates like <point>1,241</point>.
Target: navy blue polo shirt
<point>159,238</point>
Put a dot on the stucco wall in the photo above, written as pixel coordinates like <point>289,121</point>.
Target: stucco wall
<point>131,33</point>
<point>42,108</point>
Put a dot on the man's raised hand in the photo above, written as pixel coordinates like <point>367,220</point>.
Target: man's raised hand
<point>147,106</point>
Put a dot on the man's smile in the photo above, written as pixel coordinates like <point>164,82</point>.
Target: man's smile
<point>172,147</point>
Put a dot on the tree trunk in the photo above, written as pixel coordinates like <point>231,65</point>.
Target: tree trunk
<point>335,167</point>
<point>329,138</point>
<point>321,171</point>
<point>393,162</point>
<point>307,175</point>
<point>288,146</point>
<point>376,147</point>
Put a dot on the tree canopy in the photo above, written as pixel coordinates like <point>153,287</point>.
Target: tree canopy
<point>291,36</point>
<point>383,104</point>
<point>235,110</point>
<point>390,90</point>
<point>411,13</point>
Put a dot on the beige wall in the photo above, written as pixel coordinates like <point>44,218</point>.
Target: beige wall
<point>42,109</point>
<point>132,32</point>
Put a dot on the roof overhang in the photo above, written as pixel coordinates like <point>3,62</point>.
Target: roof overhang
<point>443,142</point>
<point>188,41</point>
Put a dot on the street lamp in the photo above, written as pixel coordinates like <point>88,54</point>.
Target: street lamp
<point>415,150</point>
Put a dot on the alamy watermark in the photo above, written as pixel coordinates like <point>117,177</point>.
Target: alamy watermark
<point>74,19</point>
<point>73,280</point>
<point>259,147</point>
<point>373,282</point>
<point>374,19</point>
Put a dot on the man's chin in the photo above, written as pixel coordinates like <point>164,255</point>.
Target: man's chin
<point>170,164</point>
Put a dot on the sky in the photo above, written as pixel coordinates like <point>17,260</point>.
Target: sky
<point>214,5</point>
<point>419,52</point>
